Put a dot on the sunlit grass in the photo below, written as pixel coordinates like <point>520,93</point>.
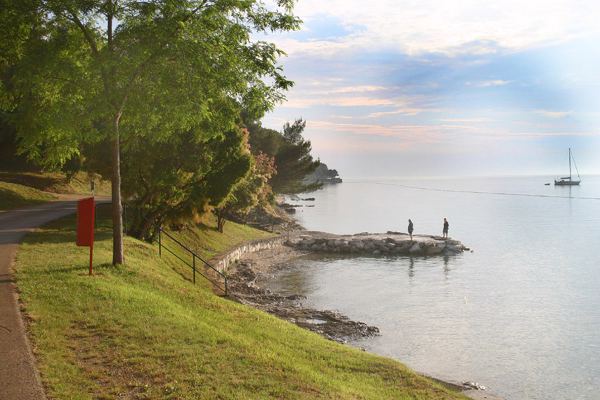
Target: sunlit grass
<point>14,196</point>
<point>141,331</point>
<point>56,182</point>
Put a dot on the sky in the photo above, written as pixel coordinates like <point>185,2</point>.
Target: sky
<point>445,88</point>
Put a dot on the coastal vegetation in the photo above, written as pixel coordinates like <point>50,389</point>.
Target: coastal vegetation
<point>142,331</point>
<point>323,175</point>
<point>163,100</point>
<point>122,88</point>
<point>290,152</point>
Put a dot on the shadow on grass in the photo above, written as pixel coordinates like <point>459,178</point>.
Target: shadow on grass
<point>82,269</point>
<point>11,200</point>
<point>64,235</point>
<point>65,270</point>
<point>30,179</point>
<point>63,230</point>
<point>6,278</point>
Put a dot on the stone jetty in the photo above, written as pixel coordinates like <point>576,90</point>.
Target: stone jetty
<point>376,244</point>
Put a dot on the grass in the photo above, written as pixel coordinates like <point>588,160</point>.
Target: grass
<point>13,195</point>
<point>140,331</point>
<point>56,182</point>
<point>207,242</point>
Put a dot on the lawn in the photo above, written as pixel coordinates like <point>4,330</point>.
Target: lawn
<point>13,196</point>
<point>142,331</point>
<point>57,182</point>
<point>207,242</point>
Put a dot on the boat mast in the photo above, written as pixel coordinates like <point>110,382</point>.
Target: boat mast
<point>570,164</point>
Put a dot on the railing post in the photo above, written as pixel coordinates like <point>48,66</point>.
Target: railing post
<point>194,267</point>
<point>159,243</point>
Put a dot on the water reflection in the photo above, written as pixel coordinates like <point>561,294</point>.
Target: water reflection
<point>446,267</point>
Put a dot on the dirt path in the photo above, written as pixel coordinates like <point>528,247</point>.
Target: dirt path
<point>19,378</point>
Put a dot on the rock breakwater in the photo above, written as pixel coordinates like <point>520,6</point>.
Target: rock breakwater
<point>376,244</point>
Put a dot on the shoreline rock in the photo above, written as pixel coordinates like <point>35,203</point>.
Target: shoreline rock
<point>328,323</point>
<point>376,244</point>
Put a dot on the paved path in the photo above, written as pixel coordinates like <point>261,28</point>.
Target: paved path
<point>19,378</point>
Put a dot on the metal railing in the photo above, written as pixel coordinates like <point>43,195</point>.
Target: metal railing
<point>222,286</point>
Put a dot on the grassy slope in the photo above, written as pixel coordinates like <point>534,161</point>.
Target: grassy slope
<point>141,331</point>
<point>13,196</point>
<point>56,182</point>
<point>207,243</point>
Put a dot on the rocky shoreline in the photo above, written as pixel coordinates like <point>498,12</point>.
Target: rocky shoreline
<point>248,269</point>
<point>331,324</point>
<point>263,258</point>
<point>377,244</point>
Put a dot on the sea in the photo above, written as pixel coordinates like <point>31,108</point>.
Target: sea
<point>519,314</point>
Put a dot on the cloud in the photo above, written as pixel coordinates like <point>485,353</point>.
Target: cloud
<point>553,114</point>
<point>490,83</point>
<point>360,89</point>
<point>449,27</point>
<point>409,111</point>
<point>411,132</point>
<point>467,120</point>
<point>436,133</point>
<point>352,101</point>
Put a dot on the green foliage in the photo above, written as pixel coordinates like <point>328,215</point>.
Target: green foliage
<point>251,191</point>
<point>291,152</point>
<point>165,67</point>
<point>175,181</point>
<point>9,159</point>
<point>78,74</point>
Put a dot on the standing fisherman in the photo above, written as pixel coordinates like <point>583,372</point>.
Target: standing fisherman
<point>445,230</point>
<point>410,228</point>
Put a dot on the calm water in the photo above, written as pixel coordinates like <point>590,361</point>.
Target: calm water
<point>521,314</point>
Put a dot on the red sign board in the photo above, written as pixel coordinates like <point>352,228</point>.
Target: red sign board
<point>86,210</point>
<point>85,221</point>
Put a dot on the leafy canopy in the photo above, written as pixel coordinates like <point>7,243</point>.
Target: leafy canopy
<point>157,67</point>
<point>291,152</point>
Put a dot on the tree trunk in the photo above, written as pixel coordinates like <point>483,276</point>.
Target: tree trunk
<point>220,220</point>
<point>117,207</point>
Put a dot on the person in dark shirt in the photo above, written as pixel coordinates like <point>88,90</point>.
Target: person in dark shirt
<point>445,230</point>
<point>410,228</point>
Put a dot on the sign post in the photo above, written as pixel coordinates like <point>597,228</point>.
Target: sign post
<point>85,225</point>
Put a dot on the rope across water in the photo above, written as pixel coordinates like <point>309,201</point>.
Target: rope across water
<point>480,192</point>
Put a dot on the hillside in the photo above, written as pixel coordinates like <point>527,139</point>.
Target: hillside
<point>56,182</point>
<point>322,175</point>
<point>13,195</point>
<point>143,331</point>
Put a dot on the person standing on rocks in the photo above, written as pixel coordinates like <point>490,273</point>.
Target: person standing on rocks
<point>445,230</point>
<point>410,228</point>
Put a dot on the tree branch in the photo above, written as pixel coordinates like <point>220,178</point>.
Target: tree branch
<point>86,33</point>
<point>93,46</point>
<point>142,66</point>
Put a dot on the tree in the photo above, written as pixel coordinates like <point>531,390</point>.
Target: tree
<point>292,154</point>
<point>251,191</point>
<point>121,72</point>
<point>176,181</point>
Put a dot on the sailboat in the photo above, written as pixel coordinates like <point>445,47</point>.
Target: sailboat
<point>568,180</point>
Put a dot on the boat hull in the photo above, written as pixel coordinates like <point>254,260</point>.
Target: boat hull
<point>566,183</point>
